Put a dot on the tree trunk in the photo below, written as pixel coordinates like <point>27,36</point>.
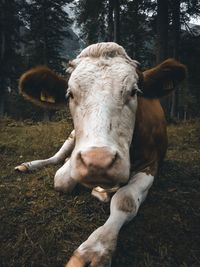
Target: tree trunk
<point>2,56</point>
<point>44,45</point>
<point>45,60</point>
<point>116,21</point>
<point>46,116</point>
<point>136,38</point>
<point>2,100</point>
<point>176,27</point>
<point>162,30</point>
<point>110,34</point>
<point>162,42</point>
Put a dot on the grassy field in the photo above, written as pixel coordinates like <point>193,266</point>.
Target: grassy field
<point>40,227</point>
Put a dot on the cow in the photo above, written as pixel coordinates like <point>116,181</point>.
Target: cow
<point>119,139</point>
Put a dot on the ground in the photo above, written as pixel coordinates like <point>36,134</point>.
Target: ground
<point>40,227</point>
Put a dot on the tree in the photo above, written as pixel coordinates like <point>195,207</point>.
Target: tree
<point>48,22</point>
<point>10,22</point>
<point>136,34</point>
<point>121,21</point>
<point>189,97</point>
<point>176,31</point>
<point>170,38</point>
<point>91,20</point>
<point>110,31</point>
<point>162,30</point>
<point>116,8</point>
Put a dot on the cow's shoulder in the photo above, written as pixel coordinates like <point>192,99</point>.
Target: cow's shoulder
<point>149,142</point>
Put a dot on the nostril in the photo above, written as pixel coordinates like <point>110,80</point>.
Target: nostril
<point>80,158</point>
<point>115,157</point>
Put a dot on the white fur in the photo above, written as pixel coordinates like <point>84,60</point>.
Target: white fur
<point>103,240</point>
<point>60,156</point>
<point>62,180</point>
<point>137,189</point>
<point>102,109</point>
<point>98,247</point>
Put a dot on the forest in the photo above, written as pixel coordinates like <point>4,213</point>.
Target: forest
<point>53,32</point>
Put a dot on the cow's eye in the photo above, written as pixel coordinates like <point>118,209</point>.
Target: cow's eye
<point>133,92</point>
<point>69,95</point>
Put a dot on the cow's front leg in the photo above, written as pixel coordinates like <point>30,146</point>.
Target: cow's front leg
<point>98,249</point>
<point>62,179</point>
<point>60,156</point>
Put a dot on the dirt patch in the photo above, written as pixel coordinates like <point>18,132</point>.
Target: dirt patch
<point>40,227</point>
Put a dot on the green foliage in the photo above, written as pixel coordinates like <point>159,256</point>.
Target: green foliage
<point>10,58</point>
<point>31,33</point>
<point>91,18</point>
<point>190,52</point>
<point>136,33</point>
<point>139,36</point>
<point>47,23</point>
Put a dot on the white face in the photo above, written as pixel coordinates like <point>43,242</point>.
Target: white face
<point>103,103</point>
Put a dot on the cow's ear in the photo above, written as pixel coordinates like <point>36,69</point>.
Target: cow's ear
<point>163,79</point>
<point>43,87</point>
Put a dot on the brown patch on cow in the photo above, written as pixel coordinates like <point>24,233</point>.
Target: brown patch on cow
<point>149,167</point>
<point>76,260</point>
<point>149,143</point>
<point>43,87</point>
<point>126,204</point>
<point>163,79</point>
<point>90,257</point>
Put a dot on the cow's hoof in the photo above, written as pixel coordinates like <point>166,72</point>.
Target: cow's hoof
<point>91,258</point>
<point>101,195</point>
<point>75,261</point>
<point>21,168</point>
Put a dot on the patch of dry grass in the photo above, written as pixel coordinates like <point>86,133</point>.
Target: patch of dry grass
<point>39,227</point>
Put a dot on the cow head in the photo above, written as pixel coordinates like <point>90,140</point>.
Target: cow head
<point>102,92</point>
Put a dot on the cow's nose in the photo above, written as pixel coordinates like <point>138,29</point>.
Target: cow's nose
<point>98,158</point>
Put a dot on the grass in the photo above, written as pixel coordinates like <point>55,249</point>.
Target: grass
<point>40,227</point>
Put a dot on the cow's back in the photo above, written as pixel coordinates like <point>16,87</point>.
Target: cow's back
<point>149,142</point>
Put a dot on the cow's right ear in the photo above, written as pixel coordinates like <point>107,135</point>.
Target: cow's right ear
<point>43,87</point>
<point>163,79</point>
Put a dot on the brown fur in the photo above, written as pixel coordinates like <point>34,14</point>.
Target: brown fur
<point>163,79</point>
<point>149,142</point>
<point>126,204</point>
<point>42,79</point>
<point>75,260</point>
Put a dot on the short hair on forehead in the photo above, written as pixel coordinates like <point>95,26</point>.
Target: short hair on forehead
<point>99,50</point>
<point>105,49</point>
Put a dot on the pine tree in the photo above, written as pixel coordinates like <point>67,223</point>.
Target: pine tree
<point>121,21</point>
<point>10,59</point>
<point>91,18</point>
<point>48,22</point>
<point>135,30</point>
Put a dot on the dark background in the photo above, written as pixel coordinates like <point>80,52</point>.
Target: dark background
<point>47,32</point>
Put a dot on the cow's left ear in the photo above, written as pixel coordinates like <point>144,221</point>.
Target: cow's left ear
<point>44,87</point>
<point>163,79</point>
